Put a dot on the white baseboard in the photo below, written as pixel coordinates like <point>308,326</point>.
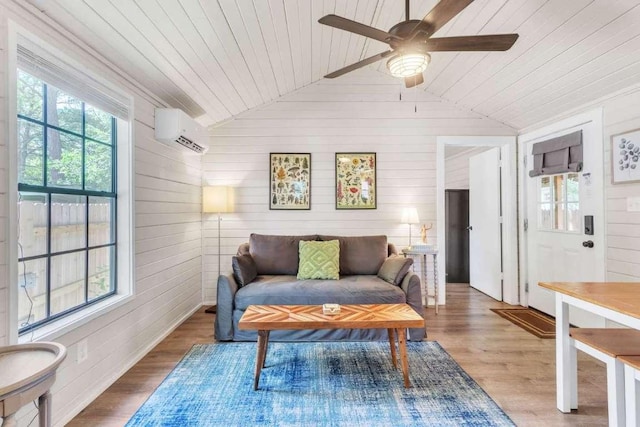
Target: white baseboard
<point>209,303</point>
<point>97,392</point>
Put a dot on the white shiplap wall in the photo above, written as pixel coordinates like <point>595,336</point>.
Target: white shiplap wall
<point>621,114</point>
<point>4,295</point>
<point>357,113</point>
<point>168,230</point>
<point>456,173</point>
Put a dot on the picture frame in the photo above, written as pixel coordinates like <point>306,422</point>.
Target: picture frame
<point>355,180</point>
<point>625,157</point>
<point>289,181</point>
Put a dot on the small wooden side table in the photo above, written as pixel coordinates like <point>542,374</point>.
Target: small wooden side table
<point>27,371</point>
<point>424,253</point>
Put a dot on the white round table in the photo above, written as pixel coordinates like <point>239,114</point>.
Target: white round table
<point>27,372</point>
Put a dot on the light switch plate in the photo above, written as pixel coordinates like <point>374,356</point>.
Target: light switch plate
<point>633,204</point>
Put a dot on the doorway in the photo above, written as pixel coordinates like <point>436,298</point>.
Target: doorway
<point>457,235</point>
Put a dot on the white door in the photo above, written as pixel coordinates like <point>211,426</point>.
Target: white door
<point>557,247</point>
<point>485,246</point>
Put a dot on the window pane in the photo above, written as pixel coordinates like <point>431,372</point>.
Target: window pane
<point>98,124</point>
<point>545,217</point>
<point>64,160</point>
<point>545,189</point>
<point>30,96</point>
<point>32,224</point>
<point>67,281</point>
<point>100,277</point>
<point>101,216</point>
<point>63,111</point>
<point>32,291</point>
<point>98,167</point>
<point>68,222</point>
<point>30,153</point>
<point>573,187</point>
<point>559,217</point>
<point>574,222</point>
<point>558,188</point>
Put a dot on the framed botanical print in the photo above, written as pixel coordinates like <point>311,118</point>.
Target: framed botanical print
<point>356,181</point>
<point>290,181</point>
<point>625,156</point>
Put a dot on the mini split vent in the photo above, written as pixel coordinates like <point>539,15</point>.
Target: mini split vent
<point>179,131</point>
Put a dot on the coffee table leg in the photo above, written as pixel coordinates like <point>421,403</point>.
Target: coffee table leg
<point>402,344</point>
<point>263,340</point>
<point>392,343</point>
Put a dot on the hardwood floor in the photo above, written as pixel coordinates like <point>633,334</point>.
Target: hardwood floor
<point>514,367</point>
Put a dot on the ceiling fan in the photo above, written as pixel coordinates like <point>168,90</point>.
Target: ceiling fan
<point>411,41</point>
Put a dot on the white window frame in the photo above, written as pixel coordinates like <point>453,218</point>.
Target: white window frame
<point>565,203</point>
<point>125,193</point>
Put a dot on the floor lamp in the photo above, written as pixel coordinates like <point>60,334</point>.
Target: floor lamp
<point>217,199</point>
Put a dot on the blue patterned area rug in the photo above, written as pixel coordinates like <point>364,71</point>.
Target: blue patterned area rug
<point>318,384</point>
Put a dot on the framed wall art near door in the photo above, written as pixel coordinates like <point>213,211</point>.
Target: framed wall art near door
<point>356,181</point>
<point>625,156</point>
<point>290,181</point>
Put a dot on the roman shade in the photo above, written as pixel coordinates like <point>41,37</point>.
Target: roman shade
<point>557,155</point>
<point>71,78</point>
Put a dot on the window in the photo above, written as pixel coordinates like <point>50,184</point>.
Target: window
<point>67,203</point>
<point>559,202</point>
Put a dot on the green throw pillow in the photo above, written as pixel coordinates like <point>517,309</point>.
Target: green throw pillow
<point>319,260</point>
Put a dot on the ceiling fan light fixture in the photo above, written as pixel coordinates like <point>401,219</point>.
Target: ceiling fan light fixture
<point>408,64</point>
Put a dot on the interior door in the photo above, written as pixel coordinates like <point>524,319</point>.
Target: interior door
<point>457,235</point>
<point>558,247</point>
<point>485,248</point>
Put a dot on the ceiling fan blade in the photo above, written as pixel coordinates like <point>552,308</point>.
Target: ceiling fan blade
<point>356,27</point>
<point>412,81</point>
<point>359,64</point>
<point>493,42</point>
<point>441,13</point>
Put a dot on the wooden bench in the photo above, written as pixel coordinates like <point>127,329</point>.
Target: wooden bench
<point>631,393</point>
<point>608,345</point>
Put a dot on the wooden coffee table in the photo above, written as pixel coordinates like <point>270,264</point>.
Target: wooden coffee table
<point>396,318</point>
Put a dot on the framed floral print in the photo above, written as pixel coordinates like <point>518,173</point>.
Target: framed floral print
<point>625,157</point>
<point>356,181</point>
<point>290,181</point>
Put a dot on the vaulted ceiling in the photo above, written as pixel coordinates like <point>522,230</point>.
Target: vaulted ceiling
<point>218,58</point>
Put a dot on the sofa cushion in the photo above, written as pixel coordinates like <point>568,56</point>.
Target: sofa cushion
<point>244,269</point>
<point>360,254</point>
<point>319,260</point>
<point>394,269</point>
<point>276,254</point>
<point>347,290</point>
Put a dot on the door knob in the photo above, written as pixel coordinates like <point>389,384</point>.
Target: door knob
<point>470,228</point>
<point>588,244</point>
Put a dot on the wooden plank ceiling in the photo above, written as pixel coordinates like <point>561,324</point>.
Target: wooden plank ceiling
<point>223,57</point>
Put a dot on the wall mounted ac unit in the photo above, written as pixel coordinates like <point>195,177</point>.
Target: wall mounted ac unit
<point>177,130</point>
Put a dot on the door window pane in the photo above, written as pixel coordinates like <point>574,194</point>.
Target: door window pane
<point>100,278</point>
<point>545,216</point>
<point>30,152</point>
<point>32,291</point>
<point>63,111</point>
<point>573,187</point>
<point>101,214</point>
<point>546,191</point>
<point>574,220</point>
<point>68,222</point>
<point>67,281</point>
<point>558,188</point>
<point>32,232</point>
<point>64,160</point>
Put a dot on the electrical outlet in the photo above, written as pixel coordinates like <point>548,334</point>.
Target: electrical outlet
<point>83,351</point>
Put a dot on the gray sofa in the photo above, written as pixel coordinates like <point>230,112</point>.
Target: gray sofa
<point>276,264</point>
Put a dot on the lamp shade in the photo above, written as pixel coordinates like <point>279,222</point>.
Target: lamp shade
<point>410,216</point>
<point>217,199</point>
<point>408,64</point>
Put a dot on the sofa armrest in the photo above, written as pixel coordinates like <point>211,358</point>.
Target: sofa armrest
<point>413,289</point>
<point>227,288</point>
